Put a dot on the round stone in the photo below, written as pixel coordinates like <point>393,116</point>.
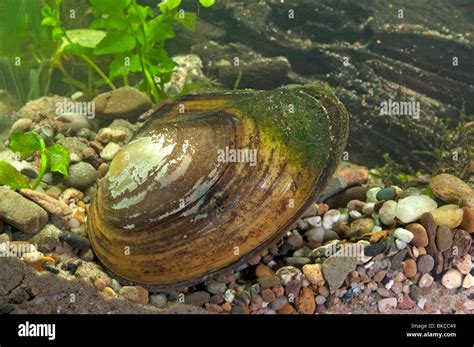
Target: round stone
<point>425,263</point>
<point>388,193</point>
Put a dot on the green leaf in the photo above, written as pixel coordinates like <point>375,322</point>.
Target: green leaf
<point>116,42</point>
<point>188,19</point>
<point>9,176</point>
<point>58,159</point>
<point>158,30</point>
<point>123,64</point>
<point>25,143</point>
<point>173,3</point>
<point>110,6</point>
<point>88,38</point>
<point>110,23</point>
<point>207,3</point>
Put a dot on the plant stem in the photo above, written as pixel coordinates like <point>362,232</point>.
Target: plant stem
<point>44,165</point>
<point>98,70</point>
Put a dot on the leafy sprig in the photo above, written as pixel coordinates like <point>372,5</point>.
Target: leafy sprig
<point>55,157</point>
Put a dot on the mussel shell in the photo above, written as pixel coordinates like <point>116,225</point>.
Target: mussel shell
<point>171,212</point>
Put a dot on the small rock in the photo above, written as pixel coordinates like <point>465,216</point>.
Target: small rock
<point>374,249</point>
<point>297,261</point>
<point>388,193</point>
<point>315,234</point>
<point>50,204</point>
<point>331,217</point>
<point>229,295</point>
<point>198,298</point>
<point>110,135</point>
<point>263,271</point>
<point>314,221</point>
<point>378,236</point>
<point>425,281</point>
<point>268,281</point>
<point>22,125</point>
<point>409,267</point>
<point>425,263</point>
<point>452,279</point>
<point>444,238</point>
<point>361,226</point>
<point>21,213</point>
<point>403,235</point>
<point>372,194</point>
<point>449,188</point>
<point>76,241</point>
<point>289,274</point>
<point>405,302</point>
<point>462,241</point>
<point>135,293</point>
<point>337,267</point>
<point>468,281</point>
<point>411,208</point>
<point>467,223</point>
<point>81,176</point>
<point>305,302</point>
<point>268,295</point>
<point>368,208</point>
<point>109,151</point>
<point>47,238</point>
<point>335,185</point>
<point>314,274</point>
<point>109,293</point>
<point>420,237</point>
<point>449,215</point>
<point>388,212</point>
<point>397,259</point>
<point>216,287</point>
<point>124,102</point>
<point>463,264</point>
<point>387,304</point>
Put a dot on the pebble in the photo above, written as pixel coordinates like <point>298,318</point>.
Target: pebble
<point>305,302</point>
<point>409,267</point>
<point>415,292</point>
<point>355,214</point>
<point>388,212</point>
<point>81,176</point>
<point>286,309</point>
<point>452,279</point>
<point>405,302</point>
<point>330,217</point>
<point>449,215</point>
<point>425,263</point>
<point>76,241</point>
<point>371,194</point>
<point>313,221</point>
<point>463,264</point>
<point>135,293</point>
<point>109,293</point>
<point>320,300</point>
<point>449,188</point>
<point>263,270</point>
<point>315,234</point>
<point>411,208</point>
<point>468,281</point>
<point>278,303</point>
<point>21,213</point>
<point>374,249</point>
<point>198,298</point>
<point>51,205</point>
<point>462,241</point>
<point>314,274</point>
<point>467,223</point>
<point>420,237</point>
<point>268,295</point>
<point>341,199</point>
<point>403,235</point>
<point>368,208</point>
<point>216,287</point>
<point>397,259</point>
<point>361,226</point>
<point>124,102</point>
<point>387,304</point>
<point>22,125</point>
<point>297,261</point>
<point>378,235</point>
<point>388,193</point>
<point>333,188</point>
<point>425,281</point>
<point>336,268</point>
<point>355,205</point>
<point>444,238</point>
<point>229,295</point>
<point>268,281</point>
<point>400,244</point>
<point>109,151</point>
<point>242,298</point>
<point>289,274</point>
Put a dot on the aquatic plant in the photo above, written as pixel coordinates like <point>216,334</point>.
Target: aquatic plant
<point>132,35</point>
<point>54,157</point>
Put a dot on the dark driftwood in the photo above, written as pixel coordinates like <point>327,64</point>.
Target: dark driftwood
<point>409,59</point>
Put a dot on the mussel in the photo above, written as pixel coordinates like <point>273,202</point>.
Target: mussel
<point>211,180</point>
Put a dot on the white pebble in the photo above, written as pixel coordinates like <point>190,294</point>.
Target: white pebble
<point>389,284</point>
<point>400,244</point>
<point>331,217</point>
<point>411,208</point>
<point>371,193</point>
<point>355,214</point>
<point>403,235</point>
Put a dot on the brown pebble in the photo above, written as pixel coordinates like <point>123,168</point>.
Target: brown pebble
<point>377,236</point>
<point>263,271</point>
<point>268,295</point>
<point>109,293</point>
<point>420,237</point>
<point>286,309</point>
<point>410,268</point>
<point>305,302</point>
<point>100,283</point>
<point>467,223</point>
<point>226,307</point>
